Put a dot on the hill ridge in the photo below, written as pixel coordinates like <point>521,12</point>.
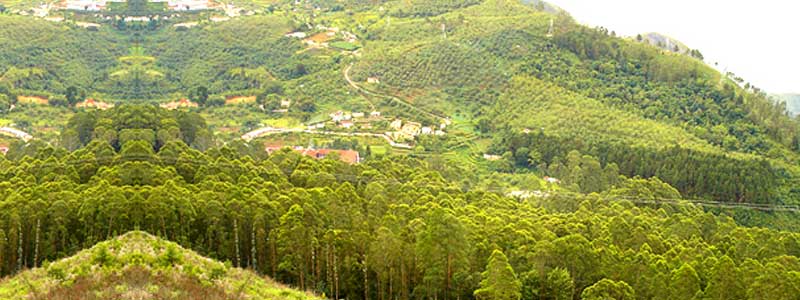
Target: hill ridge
<point>137,266</point>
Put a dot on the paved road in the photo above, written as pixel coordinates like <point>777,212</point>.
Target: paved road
<point>393,98</point>
<point>15,133</point>
<point>264,131</point>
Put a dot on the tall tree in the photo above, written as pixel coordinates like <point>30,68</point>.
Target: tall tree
<point>560,285</point>
<point>499,280</point>
<point>684,284</point>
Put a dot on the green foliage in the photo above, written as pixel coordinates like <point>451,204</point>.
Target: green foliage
<point>685,284</point>
<point>499,280</point>
<point>102,257</point>
<point>560,285</point>
<point>140,270</point>
<point>170,257</point>
<point>427,8</point>
<point>608,290</point>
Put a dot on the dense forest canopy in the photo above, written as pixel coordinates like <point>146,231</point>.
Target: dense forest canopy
<point>387,228</point>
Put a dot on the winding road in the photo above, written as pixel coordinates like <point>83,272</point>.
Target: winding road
<point>15,133</point>
<point>264,131</point>
<point>391,97</point>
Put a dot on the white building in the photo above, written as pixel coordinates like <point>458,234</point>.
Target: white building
<point>396,124</point>
<point>86,5</point>
<point>187,4</point>
<point>15,133</point>
<point>297,35</point>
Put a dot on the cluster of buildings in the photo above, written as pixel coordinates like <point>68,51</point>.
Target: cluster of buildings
<point>92,103</point>
<point>321,39</point>
<point>188,4</point>
<point>284,107</point>
<point>182,103</point>
<point>348,156</point>
<point>410,130</point>
<point>347,120</point>
<point>87,5</point>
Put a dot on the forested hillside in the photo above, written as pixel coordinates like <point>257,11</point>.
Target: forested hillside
<point>387,228</point>
<point>594,90</point>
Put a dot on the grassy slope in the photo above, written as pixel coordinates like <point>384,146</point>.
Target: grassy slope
<point>532,103</point>
<point>535,103</point>
<point>137,266</point>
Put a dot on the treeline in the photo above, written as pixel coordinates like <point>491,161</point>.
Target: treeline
<point>667,87</point>
<point>384,229</point>
<point>146,123</point>
<point>696,174</point>
<point>429,8</point>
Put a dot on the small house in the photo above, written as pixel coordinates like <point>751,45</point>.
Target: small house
<point>374,80</point>
<point>358,115</point>
<point>297,35</point>
<point>491,157</point>
<point>183,102</point>
<point>337,116</point>
<point>91,103</point>
<point>551,180</point>
<point>375,114</point>
<point>286,103</point>
<point>396,124</point>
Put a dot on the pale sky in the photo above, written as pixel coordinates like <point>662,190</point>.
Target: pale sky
<point>757,40</point>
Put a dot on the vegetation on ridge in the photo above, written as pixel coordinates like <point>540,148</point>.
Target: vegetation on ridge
<point>140,266</point>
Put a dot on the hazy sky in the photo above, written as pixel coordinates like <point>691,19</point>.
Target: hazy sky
<point>757,40</point>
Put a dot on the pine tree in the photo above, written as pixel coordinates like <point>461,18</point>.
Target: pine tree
<point>499,281</point>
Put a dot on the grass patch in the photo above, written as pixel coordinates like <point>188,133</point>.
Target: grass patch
<point>282,123</point>
<point>344,46</point>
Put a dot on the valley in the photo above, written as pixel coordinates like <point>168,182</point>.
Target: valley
<point>381,150</point>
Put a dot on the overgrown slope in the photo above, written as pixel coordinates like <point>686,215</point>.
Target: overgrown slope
<point>140,266</point>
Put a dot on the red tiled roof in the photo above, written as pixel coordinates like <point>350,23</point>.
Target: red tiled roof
<point>348,156</point>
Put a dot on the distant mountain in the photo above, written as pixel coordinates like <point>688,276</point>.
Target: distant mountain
<point>664,42</point>
<point>792,102</point>
<point>138,265</point>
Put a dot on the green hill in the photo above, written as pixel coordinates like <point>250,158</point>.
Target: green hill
<point>140,266</point>
<point>496,67</point>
